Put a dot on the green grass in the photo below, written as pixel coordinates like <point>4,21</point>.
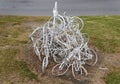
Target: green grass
<point>104,32</point>
<point>21,19</point>
<point>9,64</point>
<point>113,78</point>
<point>12,30</point>
<point>13,36</point>
<point>7,57</point>
<point>24,71</point>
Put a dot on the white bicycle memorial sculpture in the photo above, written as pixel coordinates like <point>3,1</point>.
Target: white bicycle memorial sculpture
<point>61,39</point>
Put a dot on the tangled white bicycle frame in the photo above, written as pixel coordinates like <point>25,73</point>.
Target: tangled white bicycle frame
<point>61,39</point>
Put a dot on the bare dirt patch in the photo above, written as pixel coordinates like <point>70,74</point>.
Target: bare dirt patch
<point>97,73</point>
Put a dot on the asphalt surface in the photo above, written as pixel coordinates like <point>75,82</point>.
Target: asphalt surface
<point>72,7</point>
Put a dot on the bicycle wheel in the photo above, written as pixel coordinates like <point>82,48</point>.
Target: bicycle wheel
<point>94,59</point>
<point>81,73</point>
<point>56,71</point>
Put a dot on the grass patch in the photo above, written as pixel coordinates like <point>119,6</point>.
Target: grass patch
<point>24,71</point>
<point>11,19</point>
<point>104,32</point>
<point>9,64</point>
<point>7,57</point>
<point>15,20</point>
<point>13,36</point>
<point>113,78</point>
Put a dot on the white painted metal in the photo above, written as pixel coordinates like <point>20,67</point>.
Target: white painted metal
<point>61,38</point>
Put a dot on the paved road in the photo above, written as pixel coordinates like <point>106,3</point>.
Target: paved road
<point>72,7</point>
